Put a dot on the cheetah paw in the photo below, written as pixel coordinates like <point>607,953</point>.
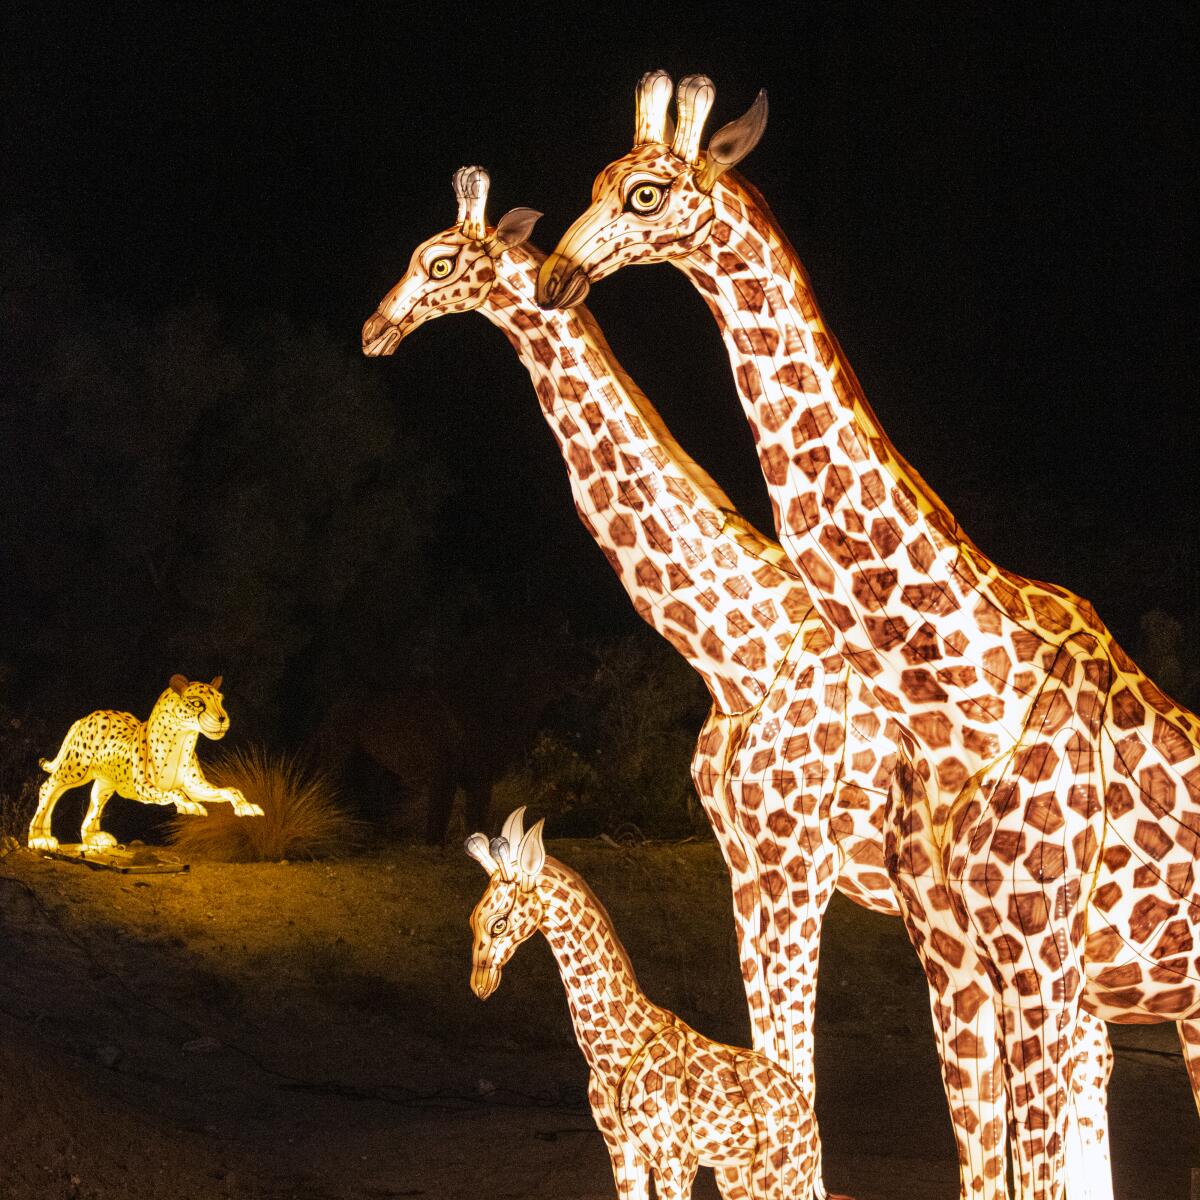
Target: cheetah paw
<point>189,808</point>
<point>246,809</point>
<point>43,843</point>
<point>99,840</point>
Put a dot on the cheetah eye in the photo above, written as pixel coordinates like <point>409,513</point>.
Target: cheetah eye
<point>646,198</point>
<point>198,705</point>
<point>499,925</point>
<point>440,268</point>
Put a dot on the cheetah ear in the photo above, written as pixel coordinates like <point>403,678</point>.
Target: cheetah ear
<point>178,683</point>
<point>217,681</point>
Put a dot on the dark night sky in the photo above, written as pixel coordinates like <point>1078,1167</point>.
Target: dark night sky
<point>993,209</point>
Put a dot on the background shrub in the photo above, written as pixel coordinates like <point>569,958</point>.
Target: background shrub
<point>620,752</point>
<point>22,742</point>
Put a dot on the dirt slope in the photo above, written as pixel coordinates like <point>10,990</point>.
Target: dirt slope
<point>307,1031</point>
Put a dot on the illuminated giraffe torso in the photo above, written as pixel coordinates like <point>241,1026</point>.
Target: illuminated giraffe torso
<point>666,1099</point>
<point>1045,826</point>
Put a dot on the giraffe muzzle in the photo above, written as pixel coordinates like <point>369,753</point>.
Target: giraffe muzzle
<point>380,336</point>
<point>484,980</point>
<point>561,283</point>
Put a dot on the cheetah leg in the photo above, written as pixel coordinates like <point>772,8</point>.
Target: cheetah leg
<point>40,837</point>
<point>1189,1036</point>
<point>91,834</point>
<point>146,793</point>
<point>200,792</point>
<point>1089,1169</point>
<point>630,1172</point>
<point>733,1183</point>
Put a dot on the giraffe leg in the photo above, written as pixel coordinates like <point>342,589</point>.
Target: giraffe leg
<point>91,835</point>
<point>1040,1037</point>
<point>733,1183</point>
<point>630,1172</point>
<point>784,1165</point>
<point>780,908</point>
<point>1089,1170</point>
<point>1189,1037</point>
<point>673,1181</point>
<point>40,837</point>
<point>962,996</point>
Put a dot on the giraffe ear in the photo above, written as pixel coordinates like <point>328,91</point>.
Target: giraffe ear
<point>178,683</point>
<point>515,226</point>
<point>532,856</point>
<point>731,143</point>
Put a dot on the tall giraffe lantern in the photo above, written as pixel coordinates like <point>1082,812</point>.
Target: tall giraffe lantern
<point>666,1099</point>
<point>1044,823</point>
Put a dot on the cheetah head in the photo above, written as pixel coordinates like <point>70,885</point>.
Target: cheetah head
<point>197,706</point>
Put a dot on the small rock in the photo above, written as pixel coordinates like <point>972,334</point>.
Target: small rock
<point>201,1045</point>
<point>109,1055</point>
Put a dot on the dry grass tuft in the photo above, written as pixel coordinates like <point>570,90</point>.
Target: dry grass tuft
<point>302,814</point>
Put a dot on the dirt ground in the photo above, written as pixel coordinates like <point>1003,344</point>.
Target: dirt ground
<point>307,1031</point>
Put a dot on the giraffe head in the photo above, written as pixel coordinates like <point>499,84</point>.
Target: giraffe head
<point>510,910</point>
<point>657,202</point>
<point>451,272</point>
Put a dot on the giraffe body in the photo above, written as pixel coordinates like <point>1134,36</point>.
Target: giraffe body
<point>666,1099</point>
<point>1043,825</point>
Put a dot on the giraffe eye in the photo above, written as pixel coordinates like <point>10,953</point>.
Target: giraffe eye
<point>499,925</point>
<point>645,198</point>
<point>441,267</point>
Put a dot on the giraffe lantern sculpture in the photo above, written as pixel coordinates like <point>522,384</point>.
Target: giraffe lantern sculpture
<point>793,761</point>
<point>666,1099</point>
<point>152,761</point>
<point>1043,826</point>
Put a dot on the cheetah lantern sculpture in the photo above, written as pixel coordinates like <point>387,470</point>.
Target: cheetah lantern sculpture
<point>152,761</point>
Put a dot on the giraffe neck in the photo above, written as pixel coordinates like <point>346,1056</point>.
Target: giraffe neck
<point>610,1015</point>
<point>724,596</point>
<point>919,610</point>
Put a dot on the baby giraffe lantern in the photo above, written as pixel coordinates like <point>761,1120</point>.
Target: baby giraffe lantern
<point>666,1099</point>
<point>153,761</point>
